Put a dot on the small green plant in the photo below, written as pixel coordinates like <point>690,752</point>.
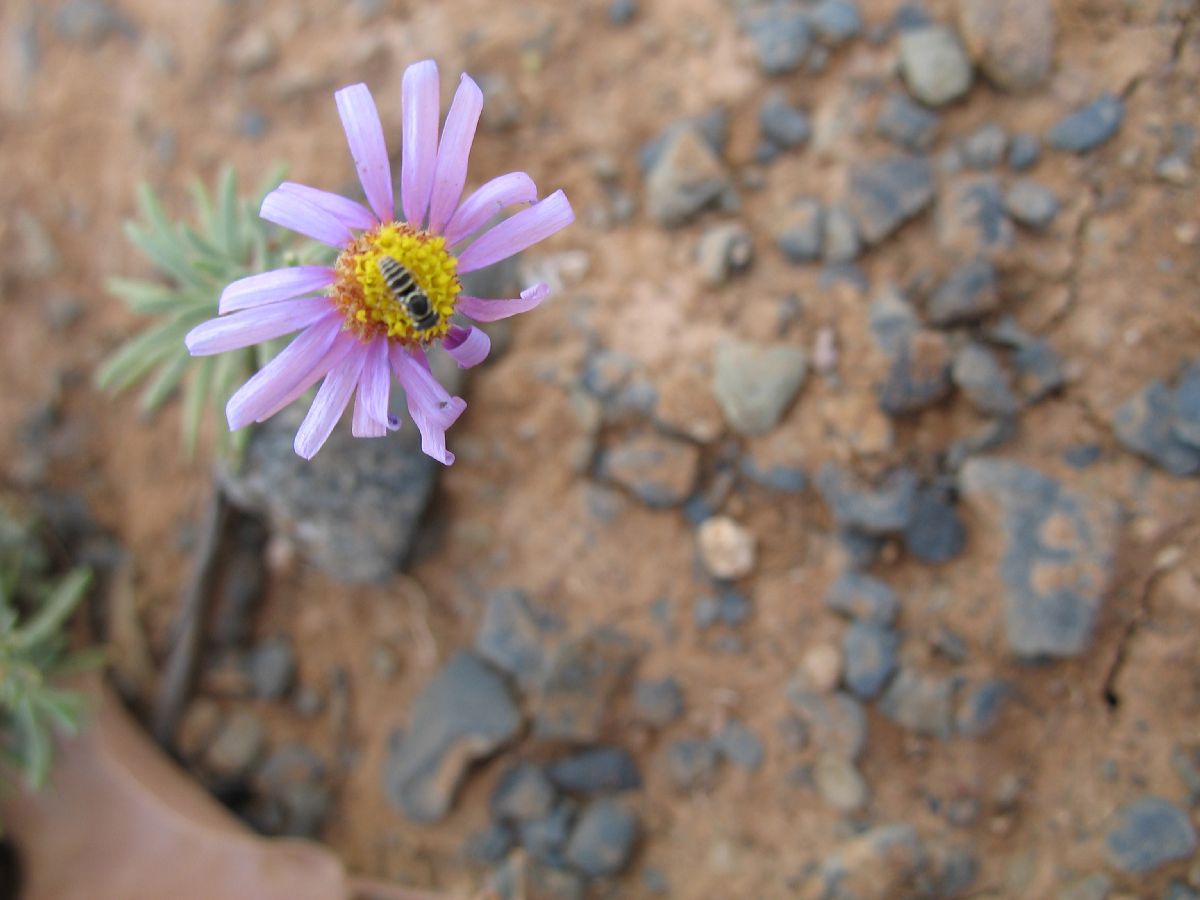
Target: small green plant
<point>193,264</point>
<point>35,608</point>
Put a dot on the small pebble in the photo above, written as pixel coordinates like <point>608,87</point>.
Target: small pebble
<point>727,548</point>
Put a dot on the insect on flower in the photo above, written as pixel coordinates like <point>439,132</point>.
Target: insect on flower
<point>395,285</point>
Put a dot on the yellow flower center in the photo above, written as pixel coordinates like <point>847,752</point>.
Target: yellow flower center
<point>371,308</point>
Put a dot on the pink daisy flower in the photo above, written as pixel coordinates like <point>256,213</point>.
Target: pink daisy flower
<point>395,285</point>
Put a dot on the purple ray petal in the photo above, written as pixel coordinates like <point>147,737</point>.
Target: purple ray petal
<point>432,409</point>
<point>303,216</point>
<point>523,230</point>
<point>468,346</point>
<point>273,286</point>
<point>493,197</point>
<point>450,172</point>
<point>364,133</point>
<point>491,310</point>
<point>371,417</point>
<point>274,381</point>
<point>329,404</point>
<point>253,326</point>
<point>343,344</point>
<point>419,152</point>
<point>349,212</point>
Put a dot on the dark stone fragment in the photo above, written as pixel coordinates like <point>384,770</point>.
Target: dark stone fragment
<point>295,798</point>
<point>984,147</point>
<point>969,293</point>
<point>1186,763</point>
<point>1187,407</point>
<point>522,877</point>
<point>1057,563</point>
<point>781,36</point>
<point>740,745</point>
<point>272,667</point>
<point>596,771</point>
<point>785,479</point>
<point>1089,127</point>
<point>490,844</point>
<point>1149,833</point>
<point>545,838</point>
<point>980,708</point>
<point>513,635</point>
<point>864,598</point>
<point>870,653</point>
<point>907,123</point>
<point>463,715</point>
<point>605,372</point>
<point>882,510</point>
<point>522,792</point>
<point>1024,151</point>
<point>971,220</point>
<point>691,763</point>
<point>799,231</point>
<point>921,703</point>
<point>936,534</point>
<point>919,376</point>
<point>834,723</point>
<point>1083,456</point>
<point>660,470</point>
<point>782,124</point>
<point>985,383</point>
<point>885,862</point>
<point>603,840</point>
<point>1145,424</point>
<point>883,195</point>
<point>622,12</point>
<point>580,679</point>
<point>712,127</point>
<point>840,244</point>
<point>686,178</point>
<point>910,17</point>
<point>836,21</point>
<point>1031,204</point>
<point>658,703</point>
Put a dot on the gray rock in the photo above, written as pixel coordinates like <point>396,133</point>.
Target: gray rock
<point>971,221</point>
<point>596,770</point>
<point>782,124</point>
<point>712,128</point>
<point>885,862</point>
<point>839,783</point>
<point>740,745</point>
<point>272,667</point>
<point>754,384</point>
<point>936,533</point>
<point>781,36</point>
<point>934,65</point>
<point>724,250</point>
<point>545,838</point>
<point>523,792</point>
<point>955,871</point>
<point>1013,41</point>
<point>1186,426</point>
<point>885,194</point>
<point>978,374</point>
<point>835,723</point>
<point>783,478</point>
<point>606,372</point>
<point>1150,832</point>
<point>1146,424</point>
<point>463,715</point>
<point>1031,204</point>
<point>658,703</point>
<point>980,707</point>
<point>1186,763</point>
<point>296,798</point>
<point>236,747</point>
<point>984,147</point>
<point>839,236</point>
<point>603,839</point>
<point>968,294</point>
<point>686,179</point>
<point>1058,558</point>
<point>836,21</point>
<point>1040,368</point>
<point>354,510</point>
<point>1089,127</point>
<point>691,763</point>
<point>863,598</point>
<point>522,877</point>
<point>580,680</point>
<point>622,12</point>
<point>920,703</point>
<point>907,124</point>
<point>893,321</point>
<point>659,470</point>
<point>1177,890</point>
<point>886,509</point>
<point>798,231</point>
<point>490,844</point>
<point>513,635</point>
<point>91,22</point>
<point>1024,151</point>
<point>871,654</point>
<point>911,16</point>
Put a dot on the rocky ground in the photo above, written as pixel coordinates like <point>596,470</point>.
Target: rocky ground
<point>833,531</point>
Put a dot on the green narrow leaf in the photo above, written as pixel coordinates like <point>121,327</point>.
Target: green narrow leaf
<point>138,355</point>
<point>35,743</point>
<point>55,610</point>
<point>64,709</point>
<point>227,231</point>
<point>203,204</point>
<point>193,403</point>
<point>163,251</point>
<point>145,297</point>
<point>165,382</point>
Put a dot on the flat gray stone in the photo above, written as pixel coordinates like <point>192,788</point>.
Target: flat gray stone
<point>885,194</point>
<point>754,384</point>
<point>1150,832</point>
<point>934,65</point>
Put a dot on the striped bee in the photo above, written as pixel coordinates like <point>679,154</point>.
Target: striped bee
<point>408,294</point>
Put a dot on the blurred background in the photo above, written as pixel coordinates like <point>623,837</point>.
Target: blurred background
<point>830,531</point>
